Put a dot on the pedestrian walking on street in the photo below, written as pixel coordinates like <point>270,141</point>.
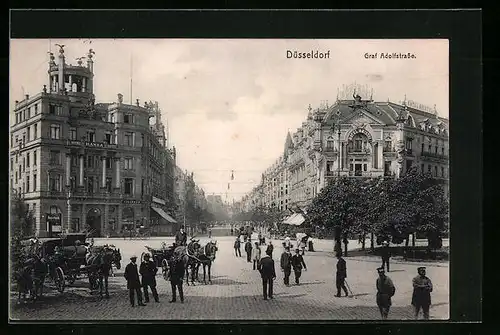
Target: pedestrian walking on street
<point>270,249</point>
<point>421,298</point>
<point>386,254</point>
<point>209,233</point>
<point>286,265</point>
<point>248,250</point>
<point>148,271</point>
<point>268,274</point>
<point>256,255</point>
<point>341,275</point>
<point>385,291</point>
<point>133,281</point>
<point>297,264</point>
<point>237,247</point>
<point>176,277</point>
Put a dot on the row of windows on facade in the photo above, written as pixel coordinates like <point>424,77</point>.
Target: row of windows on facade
<point>90,136</point>
<point>54,109</point>
<point>91,185</point>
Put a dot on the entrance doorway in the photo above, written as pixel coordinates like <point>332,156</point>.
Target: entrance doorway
<point>94,222</point>
<point>357,169</point>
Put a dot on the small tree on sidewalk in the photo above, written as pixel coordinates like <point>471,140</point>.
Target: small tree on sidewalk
<point>22,226</point>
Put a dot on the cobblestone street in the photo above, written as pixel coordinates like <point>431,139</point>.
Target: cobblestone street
<point>236,293</point>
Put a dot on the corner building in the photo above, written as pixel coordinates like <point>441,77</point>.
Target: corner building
<point>86,166</point>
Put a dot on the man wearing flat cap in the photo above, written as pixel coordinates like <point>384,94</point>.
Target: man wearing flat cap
<point>297,265</point>
<point>133,282</point>
<point>286,265</point>
<point>421,298</point>
<point>385,291</point>
<point>148,271</point>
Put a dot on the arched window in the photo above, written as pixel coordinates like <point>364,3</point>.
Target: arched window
<point>359,142</point>
<point>410,122</point>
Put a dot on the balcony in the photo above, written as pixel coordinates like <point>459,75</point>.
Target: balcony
<point>359,151</point>
<point>434,155</point>
<point>360,174</point>
<point>389,149</point>
<point>330,151</point>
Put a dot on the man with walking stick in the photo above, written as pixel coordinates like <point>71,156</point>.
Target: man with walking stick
<point>341,275</point>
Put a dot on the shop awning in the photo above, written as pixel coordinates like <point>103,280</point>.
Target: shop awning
<point>289,219</point>
<point>164,215</point>
<point>297,220</point>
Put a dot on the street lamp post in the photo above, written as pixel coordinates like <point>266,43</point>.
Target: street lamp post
<point>337,125</point>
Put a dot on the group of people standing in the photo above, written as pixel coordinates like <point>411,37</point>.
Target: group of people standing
<point>147,270</point>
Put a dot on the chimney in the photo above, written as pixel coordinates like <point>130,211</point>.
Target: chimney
<point>137,102</point>
<point>27,96</point>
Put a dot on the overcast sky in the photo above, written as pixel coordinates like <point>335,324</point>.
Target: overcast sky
<point>230,103</point>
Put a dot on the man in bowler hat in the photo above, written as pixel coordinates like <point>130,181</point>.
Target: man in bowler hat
<point>297,264</point>
<point>286,265</point>
<point>421,298</point>
<point>268,274</point>
<point>148,271</point>
<point>385,291</point>
<point>133,282</point>
<point>341,275</point>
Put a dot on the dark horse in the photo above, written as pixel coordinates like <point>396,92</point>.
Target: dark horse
<point>31,277</point>
<point>189,256</point>
<point>99,265</point>
<point>206,258</point>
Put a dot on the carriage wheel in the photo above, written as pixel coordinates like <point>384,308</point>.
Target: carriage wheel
<point>165,269</point>
<point>59,280</point>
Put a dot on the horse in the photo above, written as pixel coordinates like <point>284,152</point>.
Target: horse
<point>189,256</point>
<point>99,264</point>
<point>31,277</point>
<point>206,258</point>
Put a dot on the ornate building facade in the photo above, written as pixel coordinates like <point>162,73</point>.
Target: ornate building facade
<point>357,137</point>
<point>79,165</point>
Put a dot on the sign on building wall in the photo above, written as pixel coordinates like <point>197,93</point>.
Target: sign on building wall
<point>54,223</point>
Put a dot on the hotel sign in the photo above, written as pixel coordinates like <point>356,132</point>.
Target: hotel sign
<point>131,202</point>
<point>54,222</point>
<point>91,144</point>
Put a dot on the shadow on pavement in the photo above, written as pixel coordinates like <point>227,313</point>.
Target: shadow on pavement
<point>221,281</point>
<point>312,283</point>
<point>359,295</point>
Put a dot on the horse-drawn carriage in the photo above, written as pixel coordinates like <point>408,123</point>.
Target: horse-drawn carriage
<point>160,257</point>
<point>64,259</point>
<point>193,255</point>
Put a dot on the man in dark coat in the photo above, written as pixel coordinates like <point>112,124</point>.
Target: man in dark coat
<point>176,277</point>
<point>270,249</point>
<point>297,264</point>
<point>286,265</point>
<point>133,282</point>
<point>248,250</point>
<point>422,288</point>
<point>237,247</point>
<point>268,274</point>
<point>181,237</point>
<point>385,291</point>
<point>386,254</point>
<point>341,275</point>
<point>148,271</point>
